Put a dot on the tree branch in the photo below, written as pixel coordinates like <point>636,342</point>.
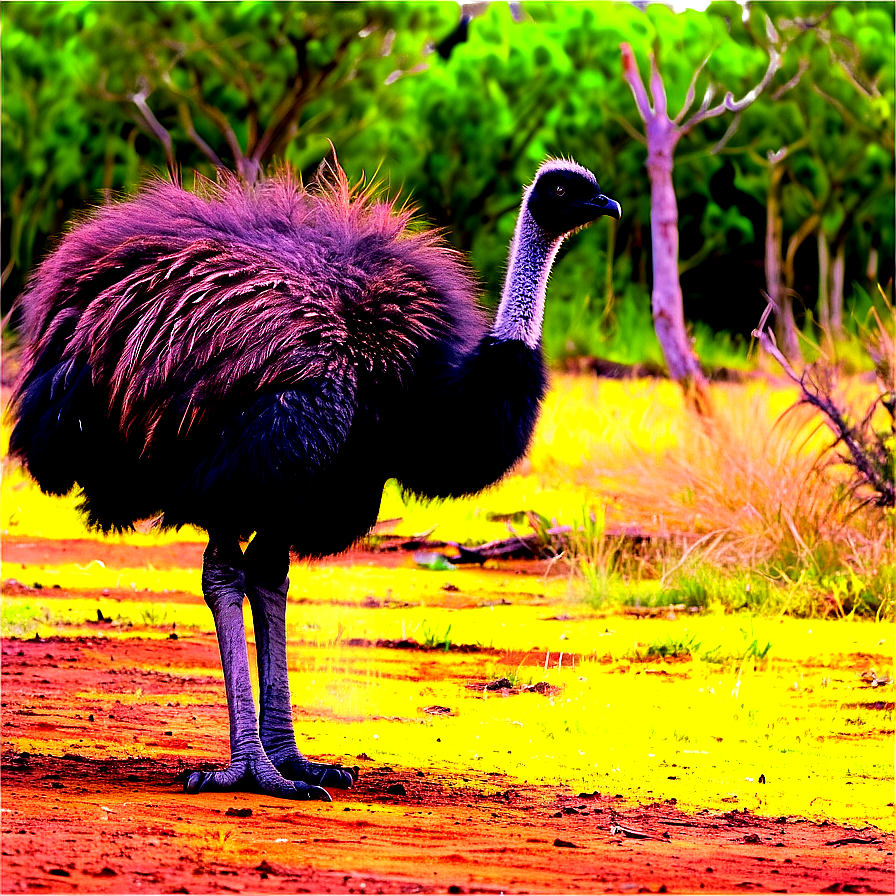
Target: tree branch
<point>156,128</point>
<point>799,237</point>
<point>187,121</point>
<point>804,64</point>
<point>633,78</point>
<point>730,104</point>
<point>691,94</point>
<point>217,117</point>
<point>624,123</point>
<point>732,129</point>
<point>657,89</point>
<point>834,418</point>
<point>289,111</point>
<point>853,120</point>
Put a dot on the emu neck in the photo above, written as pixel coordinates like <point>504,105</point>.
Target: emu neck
<point>521,312</point>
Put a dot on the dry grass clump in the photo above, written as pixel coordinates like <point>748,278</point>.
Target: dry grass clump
<point>760,486</point>
<point>769,486</point>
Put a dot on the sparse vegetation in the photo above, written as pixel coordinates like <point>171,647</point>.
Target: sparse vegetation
<point>434,637</point>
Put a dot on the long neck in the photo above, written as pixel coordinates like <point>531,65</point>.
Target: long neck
<point>521,312</point>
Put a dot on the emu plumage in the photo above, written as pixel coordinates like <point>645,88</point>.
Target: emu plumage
<point>261,360</point>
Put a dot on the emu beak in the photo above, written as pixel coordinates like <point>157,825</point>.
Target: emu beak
<point>606,206</point>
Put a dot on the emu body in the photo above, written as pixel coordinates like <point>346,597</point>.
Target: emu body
<point>262,361</point>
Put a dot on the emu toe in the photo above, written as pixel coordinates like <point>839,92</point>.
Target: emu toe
<point>317,773</point>
<point>254,776</point>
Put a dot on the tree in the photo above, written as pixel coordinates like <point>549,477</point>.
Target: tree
<point>98,95</point>
<point>662,136</point>
<point>241,82</point>
<point>825,153</point>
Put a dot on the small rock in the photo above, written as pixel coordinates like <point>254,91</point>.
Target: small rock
<point>233,812</point>
<point>397,789</point>
<point>436,710</point>
<point>565,844</point>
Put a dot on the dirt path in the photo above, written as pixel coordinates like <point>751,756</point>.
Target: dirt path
<point>78,818</point>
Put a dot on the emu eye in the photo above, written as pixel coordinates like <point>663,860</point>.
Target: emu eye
<point>558,190</point>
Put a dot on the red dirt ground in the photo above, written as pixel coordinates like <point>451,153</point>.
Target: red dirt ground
<point>77,819</point>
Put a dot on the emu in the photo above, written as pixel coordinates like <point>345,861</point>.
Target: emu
<point>258,362</point>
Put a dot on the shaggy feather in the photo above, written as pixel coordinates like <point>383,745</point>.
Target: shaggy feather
<point>265,358</point>
<point>182,311</point>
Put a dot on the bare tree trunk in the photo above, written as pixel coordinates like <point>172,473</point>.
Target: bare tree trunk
<point>785,323</point>
<point>824,280</point>
<point>871,267</point>
<point>803,232</point>
<point>838,276</point>
<point>662,135</point>
<point>668,309</point>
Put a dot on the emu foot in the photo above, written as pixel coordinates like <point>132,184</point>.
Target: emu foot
<point>298,768</point>
<point>255,775</point>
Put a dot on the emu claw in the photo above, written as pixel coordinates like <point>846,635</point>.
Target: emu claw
<point>254,777</point>
<point>300,769</point>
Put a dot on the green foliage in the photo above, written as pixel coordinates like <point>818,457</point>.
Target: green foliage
<point>837,593</point>
<point>671,647</point>
<point>93,92</point>
<point>434,637</point>
<point>582,324</point>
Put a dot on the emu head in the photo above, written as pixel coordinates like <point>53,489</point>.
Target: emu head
<point>565,196</point>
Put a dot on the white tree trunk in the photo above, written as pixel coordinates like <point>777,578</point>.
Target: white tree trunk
<point>824,280</point>
<point>838,276</point>
<point>668,314</point>
<point>668,309</point>
<point>871,267</point>
<point>785,323</point>
<point>662,134</point>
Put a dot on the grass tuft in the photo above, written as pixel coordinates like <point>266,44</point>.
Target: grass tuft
<point>774,522</point>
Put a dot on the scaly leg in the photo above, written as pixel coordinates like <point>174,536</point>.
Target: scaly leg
<point>223,585</point>
<point>266,564</point>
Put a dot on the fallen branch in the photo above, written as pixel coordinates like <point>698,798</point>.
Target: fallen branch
<point>537,545</point>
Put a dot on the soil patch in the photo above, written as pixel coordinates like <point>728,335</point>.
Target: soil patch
<point>96,731</point>
<point>19,550</point>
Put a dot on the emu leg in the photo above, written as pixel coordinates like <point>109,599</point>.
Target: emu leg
<point>250,769</point>
<point>266,565</point>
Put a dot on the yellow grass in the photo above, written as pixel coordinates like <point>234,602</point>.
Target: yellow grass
<point>754,482</point>
<point>702,734</point>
